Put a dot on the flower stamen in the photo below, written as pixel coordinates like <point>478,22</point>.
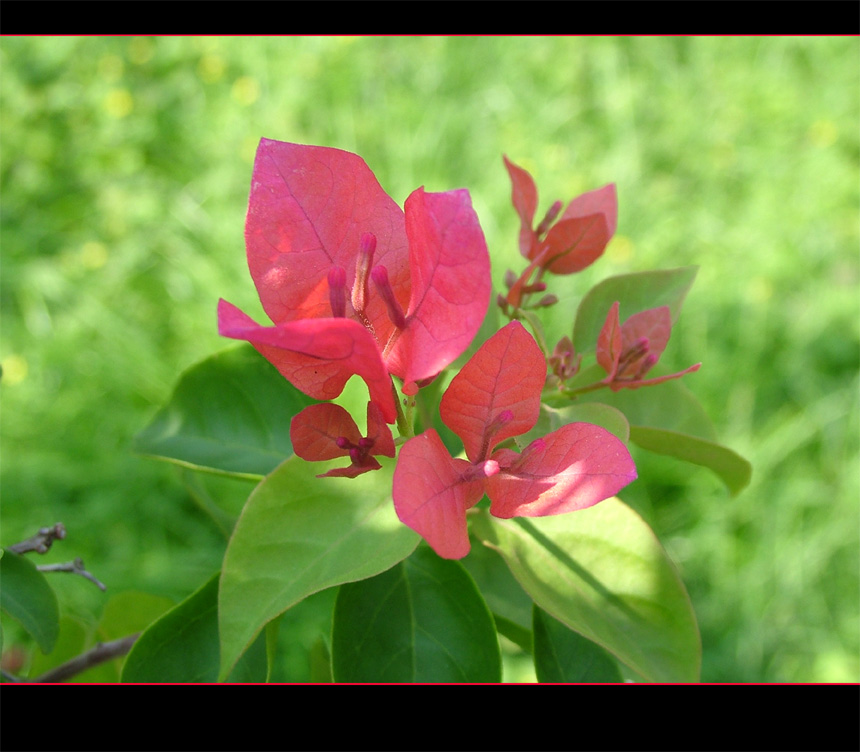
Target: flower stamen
<point>386,292</point>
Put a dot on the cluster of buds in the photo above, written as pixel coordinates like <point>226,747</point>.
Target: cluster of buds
<point>511,279</point>
<point>564,361</point>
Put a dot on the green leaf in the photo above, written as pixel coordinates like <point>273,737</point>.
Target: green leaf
<point>183,646</point>
<point>320,660</point>
<point>300,534</point>
<point>229,413</point>
<point>603,573</point>
<point>421,621</point>
<point>733,469</point>
<point>505,597</point>
<point>635,292</point>
<point>670,405</point>
<point>28,598</point>
<point>562,655</point>
<point>74,636</point>
<point>668,419</point>
<point>553,418</point>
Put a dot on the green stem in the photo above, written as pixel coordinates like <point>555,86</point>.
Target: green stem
<point>537,329</point>
<point>583,389</point>
<point>404,418</point>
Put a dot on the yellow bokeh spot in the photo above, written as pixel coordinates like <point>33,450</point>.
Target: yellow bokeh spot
<point>118,103</point>
<point>93,255</point>
<point>211,68</point>
<point>15,370</point>
<point>246,90</point>
<point>111,68</point>
<point>141,50</point>
<point>823,133</point>
<point>620,249</point>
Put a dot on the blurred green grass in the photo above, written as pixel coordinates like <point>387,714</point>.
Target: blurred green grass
<point>124,170</point>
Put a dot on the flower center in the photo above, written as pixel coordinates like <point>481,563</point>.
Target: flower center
<point>364,271</point>
<point>358,453</point>
<point>635,361</point>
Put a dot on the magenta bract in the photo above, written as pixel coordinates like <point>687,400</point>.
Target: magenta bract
<point>352,283</point>
<point>627,352</point>
<point>496,396</point>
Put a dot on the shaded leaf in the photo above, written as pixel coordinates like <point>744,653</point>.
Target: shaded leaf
<point>668,419</point>
<point>562,655</point>
<point>423,620</point>
<point>230,413</point>
<point>670,406</point>
<point>28,598</point>
<point>182,646</point>
<point>734,470</point>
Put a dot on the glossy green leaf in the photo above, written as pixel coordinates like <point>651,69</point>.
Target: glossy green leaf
<point>230,413</point>
<point>300,534</point>
<point>562,655</point>
<point>28,598</point>
<point>602,572</point>
<point>636,292</point>
<point>733,469</point>
<point>423,620</point>
<point>183,647</point>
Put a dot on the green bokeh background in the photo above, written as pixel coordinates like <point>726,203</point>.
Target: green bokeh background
<point>125,165</point>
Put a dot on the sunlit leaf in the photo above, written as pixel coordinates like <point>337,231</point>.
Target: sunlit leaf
<point>602,572</point>
<point>300,534</point>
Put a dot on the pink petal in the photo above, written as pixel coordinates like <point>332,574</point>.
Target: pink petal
<point>308,208</point>
<point>450,270</point>
<point>524,197</point>
<point>655,324</point>
<point>583,231</point>
<point>609,343</point>
<point>352,471</point>
<point>616,386</point>
<point>507,373</point>
<point>317,356</point>
<point>315,430</point>
<point>576,466</point>
<point>383,441</point>
<point>430,496</point>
